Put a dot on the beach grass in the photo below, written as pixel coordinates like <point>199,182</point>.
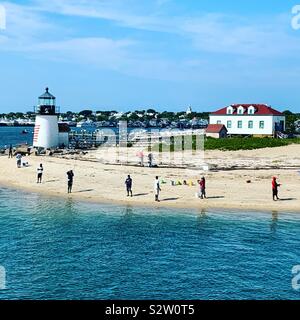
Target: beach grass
<point>228,144</point>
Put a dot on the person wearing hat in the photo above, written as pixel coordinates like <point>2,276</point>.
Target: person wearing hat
<point>275,186</point>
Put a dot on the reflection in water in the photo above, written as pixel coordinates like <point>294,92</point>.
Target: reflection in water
<point>128,211</point>
<point>202,214</point>
<point>70,206</point>
<point>127,214</point>
<point>202,217</point>
<point>63,249</point>
<point>274,223</point>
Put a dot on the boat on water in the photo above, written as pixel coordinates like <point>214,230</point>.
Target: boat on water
<point>7,123</point>
<point>24,131</point>
<point>86,124</point>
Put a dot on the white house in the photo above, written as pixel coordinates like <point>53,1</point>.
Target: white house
<point>249,119</point>
<point>189,110</point>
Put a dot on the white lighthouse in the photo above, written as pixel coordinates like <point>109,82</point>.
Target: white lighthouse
<point>46,133</point>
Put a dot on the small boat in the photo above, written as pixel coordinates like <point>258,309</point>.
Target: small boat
<point>24,131</point>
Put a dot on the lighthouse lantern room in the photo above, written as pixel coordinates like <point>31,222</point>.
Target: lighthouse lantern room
<point>46,133</point>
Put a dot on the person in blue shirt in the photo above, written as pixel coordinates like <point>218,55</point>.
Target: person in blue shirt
<point>128,183</point>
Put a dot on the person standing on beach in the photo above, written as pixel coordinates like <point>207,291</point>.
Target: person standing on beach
<point>150,160</point>
<point>157,188</point>
<point>10,152</point>
<point>70,175</point>
<point>202,184</point>
<point>275,186</point>
<point>128,183</point>
<point>19,160</point>
<point>40,170</point>
<point>140,155</point>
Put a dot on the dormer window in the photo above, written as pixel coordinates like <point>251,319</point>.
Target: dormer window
<point>251,110</point>
<point>230,110</point>
<point>240,110</point>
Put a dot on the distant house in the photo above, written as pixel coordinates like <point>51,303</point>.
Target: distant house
<point>216,131</point>
<point>189,110</point>
<point>249,119</point>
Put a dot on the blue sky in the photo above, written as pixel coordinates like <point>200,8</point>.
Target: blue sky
<point>166,54</point>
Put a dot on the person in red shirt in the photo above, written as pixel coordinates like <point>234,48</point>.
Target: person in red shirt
<point>275,186</point>
<point>202,184</point>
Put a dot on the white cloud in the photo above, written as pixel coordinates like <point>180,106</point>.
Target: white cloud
<point>113,10</point>
<point>208,32</point>
<point>31,31</point>
<point>25,26</point>
<point>215,34</point>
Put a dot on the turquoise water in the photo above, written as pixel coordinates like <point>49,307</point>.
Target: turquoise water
<point>62,249</point>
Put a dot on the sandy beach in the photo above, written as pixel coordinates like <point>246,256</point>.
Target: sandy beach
<point>98,178</point>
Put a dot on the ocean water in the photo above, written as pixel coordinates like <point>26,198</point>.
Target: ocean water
<point>63,249</point>
<point>14,136</point>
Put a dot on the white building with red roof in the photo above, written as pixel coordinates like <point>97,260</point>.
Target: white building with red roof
<point>249,119</point>
<point>216,131</point>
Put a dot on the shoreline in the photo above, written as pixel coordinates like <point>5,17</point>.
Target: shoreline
<point>161,205</point>
<point>100,183</point>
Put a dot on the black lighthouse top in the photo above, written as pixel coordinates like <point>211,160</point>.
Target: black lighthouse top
<point>47,104</point>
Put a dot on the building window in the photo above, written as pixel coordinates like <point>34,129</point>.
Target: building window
<point>241,110</point>
<point>261,124</point>
<point>219,122</point>
<point>250,125</point>
<point>229,124</point>
<point>240,124</point>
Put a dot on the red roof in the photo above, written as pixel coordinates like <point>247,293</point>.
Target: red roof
<point>260,109</point>
<point>215,128</point>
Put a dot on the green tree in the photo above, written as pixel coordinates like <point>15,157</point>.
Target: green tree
<point>151,111</point>
<point>86,113</point>
<point>290,120</point>
<point>134,117</point>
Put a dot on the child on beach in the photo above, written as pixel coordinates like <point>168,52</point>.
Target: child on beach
<point>275,186</point>
<point>157,188</point>
<point>128,183</point>
<point>19,160</point>
<point>202,185</point>
<point>40,170</point>
<point>70,175</point>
